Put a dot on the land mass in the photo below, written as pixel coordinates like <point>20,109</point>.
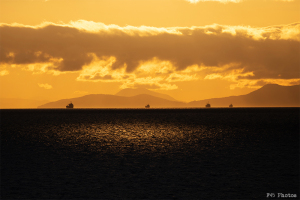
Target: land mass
<point>114,101</point>
<point>268,96</point>
<point>129,92</point>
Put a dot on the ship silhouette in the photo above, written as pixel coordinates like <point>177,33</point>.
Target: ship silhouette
<point>230,106</point>
<point>70,105</point>
<point>207,105</point>
<point>147,106</point>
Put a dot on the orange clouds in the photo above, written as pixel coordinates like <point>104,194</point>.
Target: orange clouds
<point>154,74</point>
<point>3,71</point>
<point>156,57</point>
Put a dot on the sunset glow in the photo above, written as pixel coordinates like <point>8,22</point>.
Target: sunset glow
<point>49,56</point>
<point>149,99</point>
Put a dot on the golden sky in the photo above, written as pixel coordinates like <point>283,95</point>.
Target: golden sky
<point>191,50</point>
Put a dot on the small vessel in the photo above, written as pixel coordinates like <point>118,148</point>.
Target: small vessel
<point>230,106</point>
<point>147,106</point>
<point>207,105</point>
<point>70,105</point>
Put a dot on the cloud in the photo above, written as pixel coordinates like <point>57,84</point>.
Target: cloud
<point>3,70</point>
<point>46,86</point>
<point>240,79</point>
<point>154,74</point>
<point>157,57</point>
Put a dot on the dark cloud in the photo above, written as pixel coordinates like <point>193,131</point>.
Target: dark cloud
<point>211,46</point>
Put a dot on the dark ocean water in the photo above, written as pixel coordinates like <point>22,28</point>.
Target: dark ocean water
<point>239,153</point>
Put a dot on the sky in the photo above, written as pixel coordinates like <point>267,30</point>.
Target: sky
<point>189,49</point>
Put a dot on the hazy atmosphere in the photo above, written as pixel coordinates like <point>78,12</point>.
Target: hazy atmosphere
<point>190,50</point>
<point>149,99</point>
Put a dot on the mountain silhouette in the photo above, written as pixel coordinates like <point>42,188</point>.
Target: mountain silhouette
<point>268,96</point>
<point>129,92</point>
<point>114,101</point>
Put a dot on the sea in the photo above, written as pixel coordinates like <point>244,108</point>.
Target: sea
<point>214,153</point>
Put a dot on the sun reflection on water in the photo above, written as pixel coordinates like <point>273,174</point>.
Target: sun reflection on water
<point>155,154</point>
<point>139,137</point>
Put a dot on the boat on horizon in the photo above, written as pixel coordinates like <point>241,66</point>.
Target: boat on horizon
<point>207,105</point>
<point>230,106</point>
<point>147,106</point>
<point>70,105</point>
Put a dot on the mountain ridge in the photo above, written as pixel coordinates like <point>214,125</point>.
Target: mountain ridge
<point>266,96</point>
<point>270,95</point>
<point>129,92</point>
<point>113,101</point>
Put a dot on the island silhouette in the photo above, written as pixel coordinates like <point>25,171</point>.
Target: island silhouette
<point>270,95</point>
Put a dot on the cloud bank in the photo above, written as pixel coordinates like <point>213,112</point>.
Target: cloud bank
<point>156,57</point>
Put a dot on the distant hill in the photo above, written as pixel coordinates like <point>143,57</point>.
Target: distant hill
<point>267,96</point>
<point>128,92</point>
<point>271,95</point>
<point>16,103</point>
<point>114,101</point>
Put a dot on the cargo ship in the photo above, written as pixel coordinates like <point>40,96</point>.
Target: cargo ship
<point>70,105</point>
<point>207,105</point>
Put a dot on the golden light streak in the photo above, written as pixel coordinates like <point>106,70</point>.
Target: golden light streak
<point>236,76</point>
<point>176,77</point>
<point>156,66</point>
<point>286,32</point>
<point>37,68</point>
<point>284,82</point>
<point>96,27</point>
<point>100,70</point>
<point>153,73</point>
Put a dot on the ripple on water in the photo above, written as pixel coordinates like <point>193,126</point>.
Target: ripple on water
<point>155,154</point>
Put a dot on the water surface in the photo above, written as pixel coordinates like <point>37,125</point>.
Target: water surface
<point>239,153</point>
